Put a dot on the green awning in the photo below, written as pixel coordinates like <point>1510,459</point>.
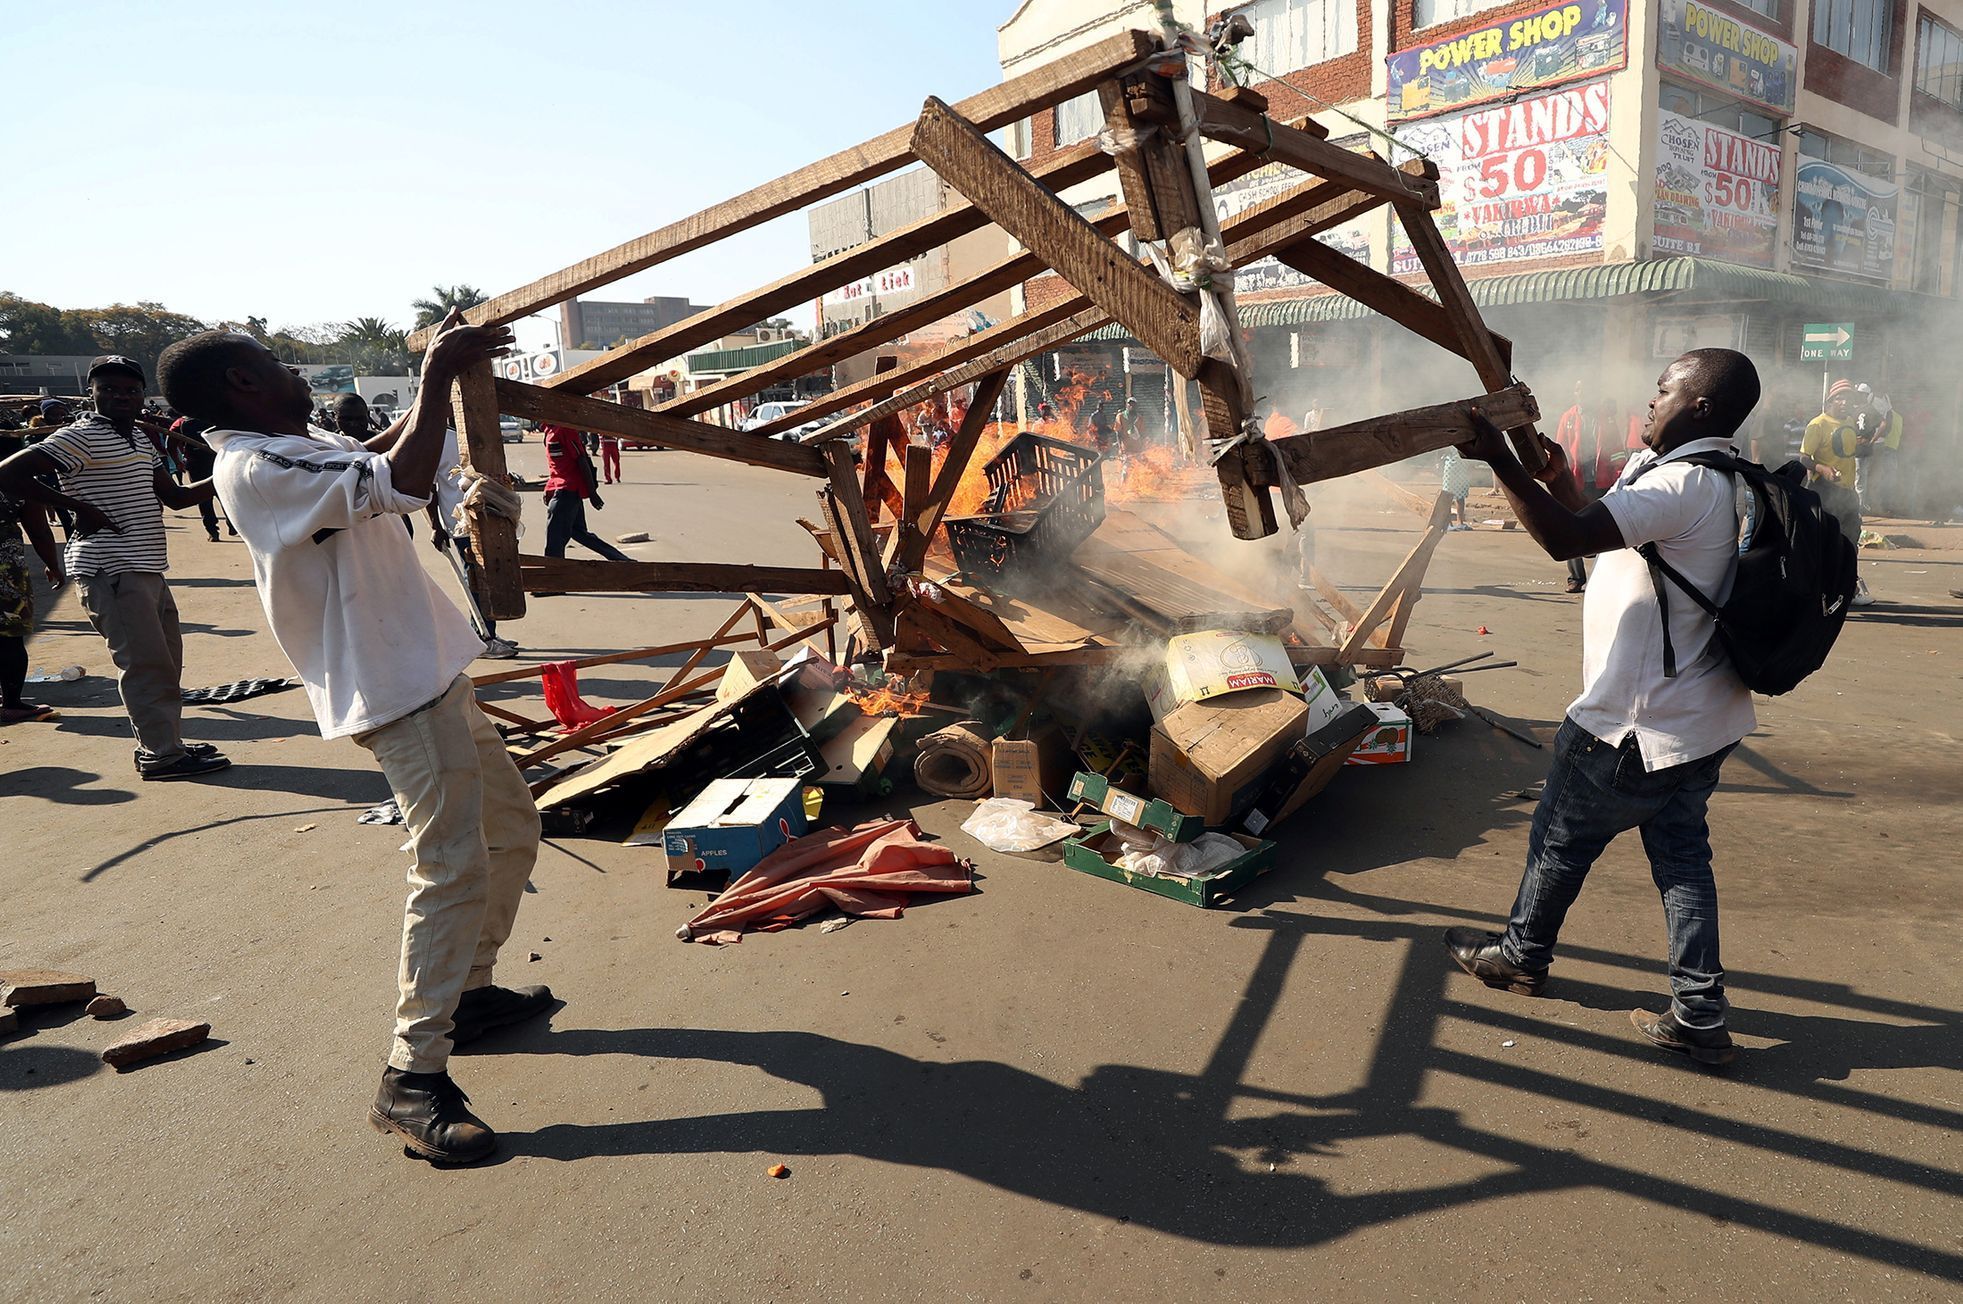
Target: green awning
<point>1697,279</point>
<point>723,361</point>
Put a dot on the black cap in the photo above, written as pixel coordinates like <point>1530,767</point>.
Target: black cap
<point>115,362</point>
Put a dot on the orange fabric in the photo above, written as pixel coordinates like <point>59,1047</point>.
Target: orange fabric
<point>868,871</point>
<point>561,683</point>
<point>1278,426</point>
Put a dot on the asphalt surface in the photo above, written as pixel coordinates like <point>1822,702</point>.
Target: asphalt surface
<point>1057,1088</point>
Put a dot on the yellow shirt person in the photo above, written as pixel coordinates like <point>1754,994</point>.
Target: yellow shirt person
<point>1830,442</point>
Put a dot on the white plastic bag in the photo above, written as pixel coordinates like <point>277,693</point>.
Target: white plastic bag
<point>1008,824</point>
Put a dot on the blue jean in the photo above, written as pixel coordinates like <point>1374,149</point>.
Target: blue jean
<point>1593,792</point>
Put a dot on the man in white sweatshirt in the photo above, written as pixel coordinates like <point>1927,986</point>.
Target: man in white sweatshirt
<point>382,652</point>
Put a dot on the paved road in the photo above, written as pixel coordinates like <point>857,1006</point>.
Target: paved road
<point>1055,1089</point>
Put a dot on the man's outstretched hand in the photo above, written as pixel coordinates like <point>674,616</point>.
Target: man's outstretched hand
<point>459,346</point>
<point>1487,444</point>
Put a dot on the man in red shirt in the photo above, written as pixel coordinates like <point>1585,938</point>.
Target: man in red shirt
<point>568,484</point>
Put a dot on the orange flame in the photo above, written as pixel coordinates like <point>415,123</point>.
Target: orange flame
<point>884,701</point>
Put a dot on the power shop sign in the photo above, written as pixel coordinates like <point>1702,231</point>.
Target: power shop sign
<point>1717,193</point>
<point>1520,182</point>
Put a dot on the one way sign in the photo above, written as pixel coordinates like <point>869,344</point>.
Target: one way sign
<point>1827,342</point>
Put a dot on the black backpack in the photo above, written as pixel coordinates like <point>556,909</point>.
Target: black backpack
<point>1795,579</point>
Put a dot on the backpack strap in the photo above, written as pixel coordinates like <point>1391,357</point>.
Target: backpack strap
<point>1659,569</point>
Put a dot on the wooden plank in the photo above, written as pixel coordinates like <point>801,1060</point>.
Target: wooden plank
<point>538,404</point>
<point>926,518</point>
<point>902,244</point>
<point>1180,603</point>
<point>997,106</point>
<point>1133,183</point>
<point>493,539</point>
<point>881,439</point>
<point>605,659</point>
<point>577,575</point>
<point>971,163</point>
<point>1237,124</point>
<point>1391,297</point>
<point>859,552</point>
<point>1360,445</point>
<point>1335,597</point>
<point>869,632</point>
<point>1449,284</point>
<point>995,279</point>
<point>1401,586</point>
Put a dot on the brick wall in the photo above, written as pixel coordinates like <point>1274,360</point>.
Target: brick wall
<point>1334,81</point>
<point>1856,85</point>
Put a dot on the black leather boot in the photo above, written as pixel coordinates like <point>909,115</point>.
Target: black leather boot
<point>1478,953</point>
<point>430,1114</point>
<point>482,1009</point>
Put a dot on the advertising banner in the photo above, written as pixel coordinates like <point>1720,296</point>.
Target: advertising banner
<point>1563,43</point>
<point>1258,187</point>
<point>1843,222</point>
<point>1716,50</point>
<point>1717,193</point>
<point>1521,182</point>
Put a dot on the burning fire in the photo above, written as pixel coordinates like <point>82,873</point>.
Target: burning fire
<point>884,701</point>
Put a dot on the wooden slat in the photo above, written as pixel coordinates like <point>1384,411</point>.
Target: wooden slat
<point>1479,348</point>
<point>960,451</point>
<point>971,163</point>
<point>605,659</point>
<point>1360,445</point>
<point>637,426</point>
<point>900,245</point>
<point>1180,603</point>
<point>1401,590</point>
<point>995,107</point>
<point>493,539</point>
<point>1237,124</point>
<point>577,575</point>
<point>1389,296</point>
<point>925,310</point>
<point>881,439</point>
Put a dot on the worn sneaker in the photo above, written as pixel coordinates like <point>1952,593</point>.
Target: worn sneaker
<point>191,765</point>
<point>499,649</point>
<point>1862,598</point>
<point>482,1009</point>
<point>1478,953</point>
<point>431,1116</point>
<point>1705,1045</point>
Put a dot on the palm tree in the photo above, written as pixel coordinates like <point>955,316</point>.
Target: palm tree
<point>378,348</point>
<point>443,298</point>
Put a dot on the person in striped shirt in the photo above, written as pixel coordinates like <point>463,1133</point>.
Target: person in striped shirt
<point>114,483</point>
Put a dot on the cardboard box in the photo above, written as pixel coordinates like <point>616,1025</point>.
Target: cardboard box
<point>857,756</point>
<point>1307,768</point>
<point>747,668</point>
<point>1323,701</point>
<point>1096,791</point>
<point>1091,853</point>
<point>733,824</point>
<point>1032,769</point>
<point>1389,743</point>
<point>1215,663</point>
<point>1210,759</point>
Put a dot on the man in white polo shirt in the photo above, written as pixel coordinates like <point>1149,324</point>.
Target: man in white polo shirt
<point>382,652</point>
<point>1640,748</point>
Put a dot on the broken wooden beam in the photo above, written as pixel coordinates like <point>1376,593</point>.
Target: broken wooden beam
<point>1102,271</point>
<point>1386,295</point>
<point>577,575</point>
<point>1054,82</point>
<point>1360,445</point>
<point>581,413</point>
<point>1237,124</point>
<point>1399,594</point>
<point>493,538</point>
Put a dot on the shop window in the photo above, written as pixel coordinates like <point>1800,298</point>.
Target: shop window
<point>1720,110</point>
<point>1845,153</point>
<point>1859,29</point>
<point>1078,119</point>
<point>1939,62</point>
<point>1292,34</point>
<point>1429,13</point>
<point>1019,139</point>
<point>1770,8</point>
<point>1937,203</point>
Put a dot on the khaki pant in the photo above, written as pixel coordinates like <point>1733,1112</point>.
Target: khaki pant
<point>475,832</point>
<point>137,618</point>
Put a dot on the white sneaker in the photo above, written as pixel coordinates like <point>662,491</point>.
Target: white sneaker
<point>499,649</point>
<point>1862,598</point>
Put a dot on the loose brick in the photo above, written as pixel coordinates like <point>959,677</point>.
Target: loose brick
<point>44,987</point>
<point>157,1037</point>
<point>107,1007</point>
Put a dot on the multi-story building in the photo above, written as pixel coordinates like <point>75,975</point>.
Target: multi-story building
<point>1622,179</point>
<point>603,323</point>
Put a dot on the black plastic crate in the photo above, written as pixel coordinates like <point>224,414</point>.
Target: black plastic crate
<point>1045,497</point>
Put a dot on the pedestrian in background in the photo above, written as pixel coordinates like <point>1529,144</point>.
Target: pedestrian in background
<point>17,593</point>
<point>1831,453</point>
<point>569,485</point>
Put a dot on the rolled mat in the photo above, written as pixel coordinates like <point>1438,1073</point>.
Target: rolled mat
<point>953,762</point>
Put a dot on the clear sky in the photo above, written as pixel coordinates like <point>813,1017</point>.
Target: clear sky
<point>317,162</point>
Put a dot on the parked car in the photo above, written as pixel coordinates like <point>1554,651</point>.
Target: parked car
<point>512,430</point>
<point>776,410</point>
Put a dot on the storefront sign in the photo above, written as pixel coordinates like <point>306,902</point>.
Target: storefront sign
<point>1521,182</point>
<point>1844,222</point>
<point>894,280</point>
<point>1565,43</point>
<point>1717,193</point>
<point>1258,187</point>
<point>1716,50</point>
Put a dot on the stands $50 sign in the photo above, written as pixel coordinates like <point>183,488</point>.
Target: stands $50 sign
<point>1523,181</point>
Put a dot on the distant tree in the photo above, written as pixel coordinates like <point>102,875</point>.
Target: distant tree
<point>39,328</point>
<point>377,348</point>
<point>443,298</point>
